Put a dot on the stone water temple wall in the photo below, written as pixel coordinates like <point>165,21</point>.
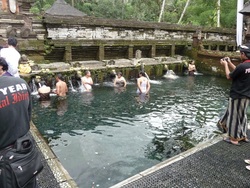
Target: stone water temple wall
<point>76,36</point>
<point>64,34</point>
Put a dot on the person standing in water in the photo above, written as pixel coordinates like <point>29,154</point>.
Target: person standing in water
<point>143,85</point>
<point>44,92</point>
<point>87,81</point>
<point>61,87</point>
<point>120,80</point>
<point>191,68</point>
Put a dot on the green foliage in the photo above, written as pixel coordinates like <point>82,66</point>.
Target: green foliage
<point>199,12</point>
<point>111,9</point>
<point>87,8</point>
<point>144,10</point>
<point>228,14</point>
<point>41,6</point>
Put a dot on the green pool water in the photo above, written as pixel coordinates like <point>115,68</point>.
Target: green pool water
<point>106,136</point>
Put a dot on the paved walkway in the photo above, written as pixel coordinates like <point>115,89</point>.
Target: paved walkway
<point>53,174</point>
<point>213,164</point>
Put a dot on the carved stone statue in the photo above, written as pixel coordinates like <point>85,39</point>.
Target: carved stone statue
<point>138,54</point>
<point>24,66</point>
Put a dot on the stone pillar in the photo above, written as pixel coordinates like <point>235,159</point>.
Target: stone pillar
<point>197,39</point>
<point>172,50</point>
<point>246,34</point>
<point>226,48</point>
<point>153,51</point>
<point>101,53</point>
<point>68,54</point>
<point>130,51</point>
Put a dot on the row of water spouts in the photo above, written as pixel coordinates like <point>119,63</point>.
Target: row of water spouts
<point>169,74</point>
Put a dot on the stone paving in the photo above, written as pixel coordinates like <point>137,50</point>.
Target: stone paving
<point>53,174</point>
<point>213,164</point>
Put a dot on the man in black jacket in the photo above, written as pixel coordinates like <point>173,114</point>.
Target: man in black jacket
<point>15,115</point>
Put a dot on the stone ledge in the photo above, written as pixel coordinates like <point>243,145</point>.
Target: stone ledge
<point>60,173</point>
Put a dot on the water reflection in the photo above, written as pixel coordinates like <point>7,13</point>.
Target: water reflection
<point>119,90</point>
<point>62,106</point>
<point>45,104</point>
<point>190,82</point>
<point>142,98</point>
<point>86,98</point>
<point>107,137</point>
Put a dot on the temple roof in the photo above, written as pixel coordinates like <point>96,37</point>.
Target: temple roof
<point>245,10</point>
<point>61,8</point>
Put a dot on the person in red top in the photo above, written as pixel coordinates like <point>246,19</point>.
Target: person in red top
<point>234,121</point>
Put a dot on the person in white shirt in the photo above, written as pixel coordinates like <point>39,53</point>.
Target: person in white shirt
<point>44,92</point>
<point>143,85</point>
<point>87,81</point>
<point>12,56</point>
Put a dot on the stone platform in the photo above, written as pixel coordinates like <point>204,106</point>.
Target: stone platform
<point>209,165</point>
<point>53,174</point>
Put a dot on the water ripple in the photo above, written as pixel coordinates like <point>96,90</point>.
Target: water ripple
<point>112,136</point>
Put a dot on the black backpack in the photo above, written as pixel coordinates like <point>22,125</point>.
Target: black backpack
<point>20,163</point>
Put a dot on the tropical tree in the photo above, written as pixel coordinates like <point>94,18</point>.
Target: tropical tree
<point>41,5</point>
<point>194,12</point>
<point>162,10</point>
<point>185,8</point>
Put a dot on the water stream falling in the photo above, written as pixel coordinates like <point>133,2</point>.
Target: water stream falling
<point>71,86</point>
<point>34,87</point>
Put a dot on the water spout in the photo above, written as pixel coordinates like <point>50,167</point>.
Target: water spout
<point>71,86</point>
<point>152,81</point>
<point>142,67</point>
<point>79,83</point>
<point>170,74</point>
<point>147,76</point>
<point>34,87</point>
<point>53,87</point>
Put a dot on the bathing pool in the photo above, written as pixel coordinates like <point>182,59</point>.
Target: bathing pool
<point>106,136</point>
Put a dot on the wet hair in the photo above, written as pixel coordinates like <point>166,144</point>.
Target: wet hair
<point>86,72</point>
<point>12,41</point>
<point>142,73</point>
<point>59,76</point>
<point>43,83</point>
<point>119,73</point>
<point>4,64</point>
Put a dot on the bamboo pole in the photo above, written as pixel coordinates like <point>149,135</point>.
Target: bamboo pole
<point>184,10</point>
<point>162,10</point>
<point>218,13</point>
